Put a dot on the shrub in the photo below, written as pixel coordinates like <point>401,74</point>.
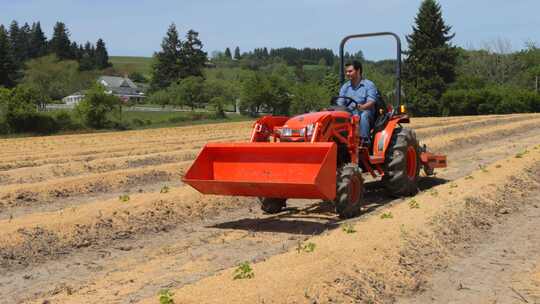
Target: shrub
<point>218,103</point>
<point>504,100</point>
<point>33,122</point>
<point>65,121</point>
<point>98,109</point>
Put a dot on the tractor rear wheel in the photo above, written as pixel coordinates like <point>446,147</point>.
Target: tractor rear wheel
<point>402,166</point>
<point>349,192</point>
<point>272,205</point>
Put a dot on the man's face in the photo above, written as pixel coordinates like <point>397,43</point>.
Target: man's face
<point>351,73</point>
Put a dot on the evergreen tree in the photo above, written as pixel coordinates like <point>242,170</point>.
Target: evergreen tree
<point>23,43</point>
<point>7,64</point>
<point>228,54</point>
<point>101,55</point>
<point>88,60</point>
<point>15,43</point>
<point>237,55</point>
<point>38,41</point>
<point>74,50</point>
<point>60,43</point>
<point>193,58</point>
<point>431,60</point>
<point>167,67</point>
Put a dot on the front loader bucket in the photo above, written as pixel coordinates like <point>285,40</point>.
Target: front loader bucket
<point>276,170</point>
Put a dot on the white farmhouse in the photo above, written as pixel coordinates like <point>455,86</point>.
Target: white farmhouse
<point>121,87</point>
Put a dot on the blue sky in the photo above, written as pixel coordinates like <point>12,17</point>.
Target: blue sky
<point>136,27</point>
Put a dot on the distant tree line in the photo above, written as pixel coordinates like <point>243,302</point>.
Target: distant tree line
<point>292,56</point>
<point>19,44</point>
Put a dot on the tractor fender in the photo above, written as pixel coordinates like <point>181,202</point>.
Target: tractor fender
<point>383,137</point>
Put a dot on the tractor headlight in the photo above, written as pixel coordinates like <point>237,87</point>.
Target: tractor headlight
<point>286,132</point>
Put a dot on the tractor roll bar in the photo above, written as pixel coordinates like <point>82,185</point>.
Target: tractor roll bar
<point>398,58</point>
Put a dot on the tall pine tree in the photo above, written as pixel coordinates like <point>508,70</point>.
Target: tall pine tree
<point>38,41</point>
<point>8,67</point>
<point>228,54</point>
<point>193,58</point>
<point>16,45</point>
<point>23,41</point>
<point>237,54</point>
<point>101,55</point>
<point>60,43</point>
<point>88,59</point>
<point>431,60</point>
<point>167,66</point>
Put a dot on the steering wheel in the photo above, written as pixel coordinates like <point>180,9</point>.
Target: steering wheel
<point>348,99</point>
<point>335,107</point>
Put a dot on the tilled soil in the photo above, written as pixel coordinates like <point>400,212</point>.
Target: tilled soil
<point>501,266</point>
<point>88,246</point>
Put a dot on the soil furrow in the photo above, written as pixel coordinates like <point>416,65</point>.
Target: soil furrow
<point>103,249</point>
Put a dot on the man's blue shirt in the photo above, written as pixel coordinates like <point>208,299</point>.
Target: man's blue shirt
<point>365,91</point>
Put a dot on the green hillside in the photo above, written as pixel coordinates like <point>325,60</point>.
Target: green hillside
<point>128,64</point>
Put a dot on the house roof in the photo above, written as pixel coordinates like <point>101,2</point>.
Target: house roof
<point>117,82</point>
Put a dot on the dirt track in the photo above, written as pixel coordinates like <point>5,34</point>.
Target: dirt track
<point>66,237</point>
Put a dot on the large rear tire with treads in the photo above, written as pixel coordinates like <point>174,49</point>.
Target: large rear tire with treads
<point>402,166</point>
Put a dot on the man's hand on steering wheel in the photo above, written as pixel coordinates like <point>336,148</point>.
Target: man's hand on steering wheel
<point>348,99</point>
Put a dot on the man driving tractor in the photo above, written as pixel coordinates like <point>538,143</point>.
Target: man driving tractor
<point>365,94</point>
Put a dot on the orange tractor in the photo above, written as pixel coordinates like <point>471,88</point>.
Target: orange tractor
<point>318,156</point>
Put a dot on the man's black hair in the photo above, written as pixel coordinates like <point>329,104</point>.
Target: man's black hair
<point>357,65</point>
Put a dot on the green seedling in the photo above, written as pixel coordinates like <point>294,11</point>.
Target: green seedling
<point>469,177</point>
<point>483,168</point>
<point>244,271</point>
<point>164,189</point>
<point>387,215</point>
<point>521,154</point>
<point>308,247</point>
<point>348,228</point>
<point>124,198</point>
<point>166,297</point>
<point>453,185</point>
<point>413,204</point>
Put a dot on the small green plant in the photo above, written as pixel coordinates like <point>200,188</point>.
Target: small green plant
<point>307,247</point>
<point>521,154</point>
<point>244,271</point>
<point>124,198</point>
<point>387,215</point>
<point>469,177</point>
<point>348,228</point>
<point>453,185</point>
<point>413,204</point>
<point>483,168</point>
<point>164,189</point>
<point>404,233</point>
<point>166,297</point>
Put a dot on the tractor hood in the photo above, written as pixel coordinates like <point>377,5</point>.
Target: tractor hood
<point>304,120</point>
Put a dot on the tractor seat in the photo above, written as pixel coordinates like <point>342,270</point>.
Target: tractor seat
<point>382,114</point>
<point>380,122</point>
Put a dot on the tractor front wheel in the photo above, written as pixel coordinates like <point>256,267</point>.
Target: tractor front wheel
<point>272,205</point>
<point>403,164</point>
<point>349,192</point>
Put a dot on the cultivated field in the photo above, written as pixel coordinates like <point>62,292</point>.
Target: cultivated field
<point>104,218</point>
